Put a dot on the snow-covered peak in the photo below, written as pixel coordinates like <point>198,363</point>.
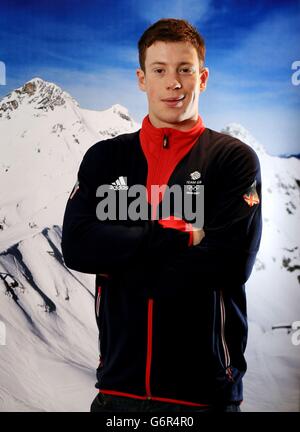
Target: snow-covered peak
<point>240,132</point>
<point>36,94</point>
<point>44,135</point>
<point>121,111</point>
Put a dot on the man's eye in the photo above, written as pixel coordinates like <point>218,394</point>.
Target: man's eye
<point>188,70</point>
<point>158,70</point>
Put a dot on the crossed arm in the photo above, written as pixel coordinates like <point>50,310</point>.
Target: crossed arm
<point>230,238</point>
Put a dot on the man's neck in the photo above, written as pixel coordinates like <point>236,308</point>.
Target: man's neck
<point>183,125</point>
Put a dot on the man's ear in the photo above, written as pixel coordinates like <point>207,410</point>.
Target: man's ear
<point>141,79</point>
<point>204,73</point>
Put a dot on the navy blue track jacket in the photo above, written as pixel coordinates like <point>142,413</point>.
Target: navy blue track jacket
<point>172,318</point>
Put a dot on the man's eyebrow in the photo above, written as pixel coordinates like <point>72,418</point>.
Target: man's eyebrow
<point>163,63</point>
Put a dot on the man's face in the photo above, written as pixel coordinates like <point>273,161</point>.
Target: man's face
<point>172,70</point>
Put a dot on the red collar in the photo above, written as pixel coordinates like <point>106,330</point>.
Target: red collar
<point>161,159</point>
<point>152,137</point>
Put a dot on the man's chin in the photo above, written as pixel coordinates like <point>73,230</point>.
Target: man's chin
<point>171,117</point>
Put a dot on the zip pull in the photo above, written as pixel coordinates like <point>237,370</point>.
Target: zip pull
<point>166,141</point>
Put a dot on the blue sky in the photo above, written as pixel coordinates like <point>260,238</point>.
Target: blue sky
<point>90,49</point>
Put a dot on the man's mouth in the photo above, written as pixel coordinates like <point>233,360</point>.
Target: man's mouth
<point>176,102</point>
<point>174,99</point>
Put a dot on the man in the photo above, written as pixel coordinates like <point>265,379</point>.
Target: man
<point>170,294</point>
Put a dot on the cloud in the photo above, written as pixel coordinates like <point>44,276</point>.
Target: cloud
<point>191,10</point>
<point>253,90</point>
<point>251,83</point>
<point>276,126</point>
<point>271,45</point>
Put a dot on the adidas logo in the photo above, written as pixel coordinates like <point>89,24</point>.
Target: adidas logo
<point>119,184</point>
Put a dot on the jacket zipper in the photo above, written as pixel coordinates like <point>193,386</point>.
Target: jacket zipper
<point>165,145</point>
<point>166,141</point>
<point>149,347</point>
<point>223,339</point>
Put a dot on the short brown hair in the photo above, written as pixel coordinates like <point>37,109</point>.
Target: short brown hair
<point>171,30</point>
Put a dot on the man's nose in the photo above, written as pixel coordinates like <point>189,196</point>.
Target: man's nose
<point>173,82</point>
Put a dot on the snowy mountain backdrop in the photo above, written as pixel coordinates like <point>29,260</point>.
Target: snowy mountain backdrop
<point>48,341</point>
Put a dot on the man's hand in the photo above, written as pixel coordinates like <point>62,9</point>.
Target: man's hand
<point>198,235</point>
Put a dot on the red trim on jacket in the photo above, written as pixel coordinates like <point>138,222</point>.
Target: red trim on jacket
<point>161,399</point>
<point>149,346</point>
